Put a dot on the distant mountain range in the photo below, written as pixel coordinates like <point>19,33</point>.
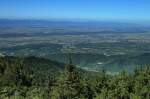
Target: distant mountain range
<point>46,27</point>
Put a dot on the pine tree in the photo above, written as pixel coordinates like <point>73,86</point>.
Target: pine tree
<point>71,87</point>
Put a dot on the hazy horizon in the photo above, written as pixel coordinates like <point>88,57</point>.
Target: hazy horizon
<point>89,10</point>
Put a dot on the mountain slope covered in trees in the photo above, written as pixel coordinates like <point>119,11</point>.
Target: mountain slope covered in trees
<point>38,78</point>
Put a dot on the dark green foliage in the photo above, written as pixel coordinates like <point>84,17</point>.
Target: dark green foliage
<point>13,72</point>
<point>38,78</point>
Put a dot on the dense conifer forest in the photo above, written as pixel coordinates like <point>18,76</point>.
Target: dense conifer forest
<point>38,78</point>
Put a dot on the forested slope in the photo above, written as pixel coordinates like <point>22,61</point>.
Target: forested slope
<point>38,78</point>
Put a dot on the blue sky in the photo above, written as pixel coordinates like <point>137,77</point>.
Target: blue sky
<point>76,9</point>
